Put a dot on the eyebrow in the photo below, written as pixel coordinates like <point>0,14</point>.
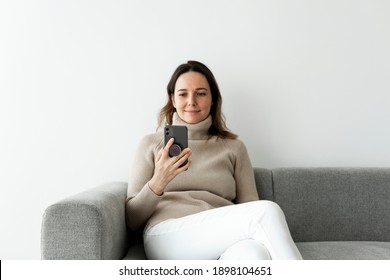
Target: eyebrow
<point>183,89</point>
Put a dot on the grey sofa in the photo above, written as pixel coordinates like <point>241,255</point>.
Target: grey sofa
<point>332,213</point>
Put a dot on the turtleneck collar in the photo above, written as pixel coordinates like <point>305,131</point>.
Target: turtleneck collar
<point>197,131</point>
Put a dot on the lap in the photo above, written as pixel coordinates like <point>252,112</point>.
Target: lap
<point>204,235</point>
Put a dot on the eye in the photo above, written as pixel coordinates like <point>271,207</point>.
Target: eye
<point>202,93</point>
<point>181,94</point>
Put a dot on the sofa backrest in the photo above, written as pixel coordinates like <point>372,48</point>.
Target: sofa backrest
<point>330,204</point>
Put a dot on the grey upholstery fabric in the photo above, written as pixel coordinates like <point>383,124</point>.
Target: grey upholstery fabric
<point>333,213</point>
<point>331,204</point>
<point>90,225</point>
<point>345,250</point>
<point>264,186</point>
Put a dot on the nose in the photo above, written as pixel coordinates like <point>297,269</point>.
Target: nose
<point>191,100</point>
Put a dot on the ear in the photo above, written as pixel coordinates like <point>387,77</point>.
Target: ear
<point>173,100</point>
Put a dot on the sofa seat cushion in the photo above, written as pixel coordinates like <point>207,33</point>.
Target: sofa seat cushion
<point>345,250</point>
<point>324,250</point>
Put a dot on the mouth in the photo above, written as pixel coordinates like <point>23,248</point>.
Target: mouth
<point>192,112</point>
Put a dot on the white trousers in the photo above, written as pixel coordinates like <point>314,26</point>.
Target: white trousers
<point>253,230</point>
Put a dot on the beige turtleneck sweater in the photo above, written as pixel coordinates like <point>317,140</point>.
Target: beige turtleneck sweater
<point>221,174</point>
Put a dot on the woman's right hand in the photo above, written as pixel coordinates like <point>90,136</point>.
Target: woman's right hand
<point>167,168</point>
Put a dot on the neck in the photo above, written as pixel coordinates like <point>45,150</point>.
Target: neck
<point>196,131</point>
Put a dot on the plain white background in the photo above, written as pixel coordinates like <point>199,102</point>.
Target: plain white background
<point>305,83</point>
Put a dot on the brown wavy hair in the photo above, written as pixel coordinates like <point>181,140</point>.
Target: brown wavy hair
<point>218,127</point>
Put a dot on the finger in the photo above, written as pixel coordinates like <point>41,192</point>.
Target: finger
<point>159,154</point>
<point>186,150</point>
<point>185,167</point>
<point>182,158</point>
<point>168,145</point>
<point>170,142</point>
<point>167,148</point>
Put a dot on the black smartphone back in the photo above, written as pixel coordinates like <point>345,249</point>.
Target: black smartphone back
<point>180,134</point>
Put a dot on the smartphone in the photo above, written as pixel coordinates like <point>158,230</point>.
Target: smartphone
<point>180,134</point>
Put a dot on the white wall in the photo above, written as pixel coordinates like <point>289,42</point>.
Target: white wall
<point>305,83</point>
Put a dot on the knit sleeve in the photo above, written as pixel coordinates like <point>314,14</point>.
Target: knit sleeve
<point>141,200</point>
<point>243,173</point>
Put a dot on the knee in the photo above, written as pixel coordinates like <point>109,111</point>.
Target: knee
<point>271,208</point>
<point>247,249</point>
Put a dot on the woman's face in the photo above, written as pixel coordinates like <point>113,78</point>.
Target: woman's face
<point>192,97</point>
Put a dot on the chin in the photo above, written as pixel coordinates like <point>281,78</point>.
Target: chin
<point>192,119</point>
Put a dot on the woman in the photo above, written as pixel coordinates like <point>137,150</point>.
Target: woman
<point>208,208</point>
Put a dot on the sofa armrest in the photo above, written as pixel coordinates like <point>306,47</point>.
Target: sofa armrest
<point>89,225</point>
